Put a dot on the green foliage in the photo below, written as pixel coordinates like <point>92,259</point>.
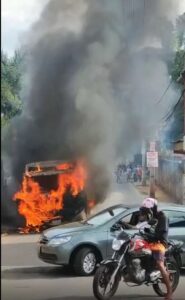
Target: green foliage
<point>178,63</point>
<point>176,66</point>
<point>180,27</point>
<point>176,129</point>
<point>11,71</point>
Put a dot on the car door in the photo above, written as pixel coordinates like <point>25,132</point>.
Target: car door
<point>177,227</point>
<point>128,218</point>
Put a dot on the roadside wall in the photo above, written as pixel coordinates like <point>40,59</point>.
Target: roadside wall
<point>171,177</point>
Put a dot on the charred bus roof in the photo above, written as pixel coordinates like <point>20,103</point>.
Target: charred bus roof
<point>46,168</point>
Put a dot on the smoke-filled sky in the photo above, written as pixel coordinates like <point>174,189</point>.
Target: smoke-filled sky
<point>16,18</point>
<point>18,15</point>
<point>95,71</point>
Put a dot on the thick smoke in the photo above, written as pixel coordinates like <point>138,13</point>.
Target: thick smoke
<point>95,70</point>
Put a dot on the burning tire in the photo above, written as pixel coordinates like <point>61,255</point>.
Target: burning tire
<point>85,262</point>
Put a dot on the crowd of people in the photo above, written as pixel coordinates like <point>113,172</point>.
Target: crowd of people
<point>128,172</point>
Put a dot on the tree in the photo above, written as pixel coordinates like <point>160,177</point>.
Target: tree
<point>11,71</point>
<point>176,116</point>
<point>178,62</point>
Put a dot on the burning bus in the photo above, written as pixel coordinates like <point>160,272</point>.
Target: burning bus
<point>52,192</point>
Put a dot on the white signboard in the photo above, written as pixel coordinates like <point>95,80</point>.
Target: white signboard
<point>152,146</point>
<point>152,159</point>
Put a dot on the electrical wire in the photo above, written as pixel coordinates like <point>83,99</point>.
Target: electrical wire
<point>173,109</point>
<point>161,98</point>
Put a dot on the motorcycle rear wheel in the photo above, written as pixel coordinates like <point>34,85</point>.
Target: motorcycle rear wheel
<point>101,280</point>
<point>174,276</point>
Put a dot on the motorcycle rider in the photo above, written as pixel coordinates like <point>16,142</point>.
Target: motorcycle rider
<point>142,222</point>
<point>159,240</point>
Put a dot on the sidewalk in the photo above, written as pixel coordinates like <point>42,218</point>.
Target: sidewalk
<point>160,194</point>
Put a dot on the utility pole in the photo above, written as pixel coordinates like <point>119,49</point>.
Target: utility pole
<point>183,76</point>
<point>144,163</point>
<point>181,80</point>
<point>152,162</point>
<point>184,136</point>
<point>152,183</point>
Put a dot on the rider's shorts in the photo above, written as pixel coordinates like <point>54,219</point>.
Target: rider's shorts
<point>158,251</point>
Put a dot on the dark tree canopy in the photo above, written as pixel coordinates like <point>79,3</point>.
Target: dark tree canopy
<point>11,71</point>
<point>176,66</point>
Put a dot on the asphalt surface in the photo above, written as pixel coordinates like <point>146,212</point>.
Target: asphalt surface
<point>25,277</point>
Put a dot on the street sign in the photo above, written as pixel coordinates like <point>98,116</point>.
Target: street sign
<point>152,159</point>
<point>152,146</point>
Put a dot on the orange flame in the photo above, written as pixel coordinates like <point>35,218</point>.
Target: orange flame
<point>38,168</point>
<point>38,207</point>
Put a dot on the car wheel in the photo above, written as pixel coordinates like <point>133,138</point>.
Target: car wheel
<point>85,262</point>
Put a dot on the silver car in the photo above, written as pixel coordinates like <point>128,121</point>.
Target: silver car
<point>83,244</point>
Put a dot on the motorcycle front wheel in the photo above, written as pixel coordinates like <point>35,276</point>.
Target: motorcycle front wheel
<point>102,288</point>
<point>174,273</point>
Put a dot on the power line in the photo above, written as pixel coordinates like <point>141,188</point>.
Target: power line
<point>170,114</point>
<point>161,98</point>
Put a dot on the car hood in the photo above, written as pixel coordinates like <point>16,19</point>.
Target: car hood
<point>67,229</point>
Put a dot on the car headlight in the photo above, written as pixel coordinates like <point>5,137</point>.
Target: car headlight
<point>116,244</point>
<point>40,238</point>
<point>59,240</point>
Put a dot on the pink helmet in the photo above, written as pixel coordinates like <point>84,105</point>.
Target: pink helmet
<point>149,202</point>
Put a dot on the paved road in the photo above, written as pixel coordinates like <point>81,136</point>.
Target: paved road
<point>25,277</point>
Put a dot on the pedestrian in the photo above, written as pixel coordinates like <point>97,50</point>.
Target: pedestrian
<point>129,173</point>
<point>139,173</point>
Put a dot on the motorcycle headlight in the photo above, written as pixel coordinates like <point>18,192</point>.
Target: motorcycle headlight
<point>59,240</point>
<point>116,244</point>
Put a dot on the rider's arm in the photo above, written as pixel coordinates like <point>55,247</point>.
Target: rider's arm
<point>127,225</point>
<point>161,231</point>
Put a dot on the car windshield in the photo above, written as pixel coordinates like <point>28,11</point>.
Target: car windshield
<point>104,216</point>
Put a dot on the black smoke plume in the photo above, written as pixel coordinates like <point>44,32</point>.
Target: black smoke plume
<point>94,72</point>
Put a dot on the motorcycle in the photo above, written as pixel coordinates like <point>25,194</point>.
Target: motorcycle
<point>132,261</point>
